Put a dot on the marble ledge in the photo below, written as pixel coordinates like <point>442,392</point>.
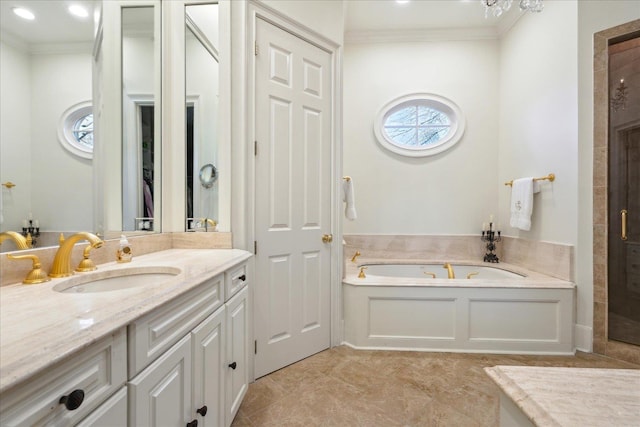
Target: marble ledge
<point>14,271</point>
<point>41,327</point>
<point>553,396</point>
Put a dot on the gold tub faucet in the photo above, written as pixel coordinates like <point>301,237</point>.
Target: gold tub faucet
<point>355,256</point>
<point>19,239</point>
<point>62,261</point>
<point>450,272</point>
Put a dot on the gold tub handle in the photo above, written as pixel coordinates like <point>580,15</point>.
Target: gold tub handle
<point>361,275</point>
<point>623,214</point>
<point>428,273</point>
<point>473,273</point>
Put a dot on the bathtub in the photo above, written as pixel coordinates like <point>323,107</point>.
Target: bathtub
<point>502,309</point>
<point>424,270</point>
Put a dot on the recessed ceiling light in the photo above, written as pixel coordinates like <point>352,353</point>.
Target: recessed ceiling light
<point>24,13</point>
<point>78,11</point>
<point>402,1</point>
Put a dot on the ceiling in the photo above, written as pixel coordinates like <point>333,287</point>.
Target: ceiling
<point>420,15</point>
<point>53,24</point>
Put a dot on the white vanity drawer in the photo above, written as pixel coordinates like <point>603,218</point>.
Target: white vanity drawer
<point>97,372</point>
<point>235,279</point>
<point>154,333</point>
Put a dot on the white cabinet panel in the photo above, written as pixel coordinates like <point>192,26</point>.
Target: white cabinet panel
<point>208,370</point>
<point>161,394</point>
<point>111,413</point>
<point>237,375</point>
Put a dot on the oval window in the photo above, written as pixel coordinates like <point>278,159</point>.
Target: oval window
<point>419,125</point>
<point>75,130</point>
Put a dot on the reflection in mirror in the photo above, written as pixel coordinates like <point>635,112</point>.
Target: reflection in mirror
<point>202,115</point>
<point>140,119</point>
<point>45,69</point>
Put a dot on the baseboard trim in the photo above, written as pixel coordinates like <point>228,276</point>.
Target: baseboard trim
<point>583,336</point>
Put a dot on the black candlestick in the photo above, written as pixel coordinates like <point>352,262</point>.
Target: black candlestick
<point>491,238</point>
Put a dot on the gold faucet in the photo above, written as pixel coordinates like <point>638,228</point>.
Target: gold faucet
<point>450,272</point>
<point>36,275</point>
<point>356,255</point>
<point>361,275</point>
<point>62,261</point>
<point>19,239</point>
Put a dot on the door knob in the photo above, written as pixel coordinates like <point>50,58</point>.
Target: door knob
<point>327,238</point>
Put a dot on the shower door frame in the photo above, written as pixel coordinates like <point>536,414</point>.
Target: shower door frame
<point>601,342</point>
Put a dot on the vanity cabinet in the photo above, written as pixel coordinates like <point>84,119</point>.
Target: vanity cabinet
<point>184,363</point>
<point>204,376</point>
<point>71,390</point>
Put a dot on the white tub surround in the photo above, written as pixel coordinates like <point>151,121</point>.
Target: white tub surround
<point>41,327</point>
<point>533,314</point>
<point>546,396</point>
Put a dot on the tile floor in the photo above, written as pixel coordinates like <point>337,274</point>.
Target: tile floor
<point>346,387</point>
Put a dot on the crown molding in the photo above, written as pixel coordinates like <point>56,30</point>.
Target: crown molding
<point>403,36</point>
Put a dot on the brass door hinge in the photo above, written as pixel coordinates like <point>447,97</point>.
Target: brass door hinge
<point>255,247</point>
<point>255,48</point>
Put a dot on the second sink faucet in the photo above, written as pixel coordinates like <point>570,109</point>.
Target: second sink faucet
<point>62,262</point>
<point>450,272</point>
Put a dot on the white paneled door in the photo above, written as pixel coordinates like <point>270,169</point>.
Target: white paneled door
<point>293,101</point>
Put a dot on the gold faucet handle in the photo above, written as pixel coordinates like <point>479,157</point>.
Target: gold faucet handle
<point>473,273</point>
<point>361,275</point>
<point>36,275</point>
<point>355,256</point>
<point>428,273</point>
<point>86,264</point>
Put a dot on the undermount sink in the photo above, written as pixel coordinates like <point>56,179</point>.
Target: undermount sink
<point>114,280</point>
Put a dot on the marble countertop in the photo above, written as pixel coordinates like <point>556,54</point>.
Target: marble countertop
<point>39,326</point>
<point>532,279</point>
<point>572,396</point>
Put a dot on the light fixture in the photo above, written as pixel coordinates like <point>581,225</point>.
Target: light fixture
<point>498,7</point>
<point>402,1</point>
<point>79,11</point>
<point>24,13</point>
<point>619,98</point>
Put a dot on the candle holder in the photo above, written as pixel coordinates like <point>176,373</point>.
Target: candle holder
<point>29,230</point>
<point>491,238</point>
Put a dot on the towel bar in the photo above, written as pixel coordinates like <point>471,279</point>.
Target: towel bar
<point>551,177</point>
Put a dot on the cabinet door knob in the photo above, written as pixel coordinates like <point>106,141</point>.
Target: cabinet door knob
<point>202,411</point>
<point>233,365</point>
<point>243,277</point>
<point>193,423</point>
<point>73,400</point>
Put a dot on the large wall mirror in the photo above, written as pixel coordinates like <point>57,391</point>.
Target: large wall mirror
<point>141,118</point>
<point>202,70</point>
<point>64,133</point>
<point>46,87</point>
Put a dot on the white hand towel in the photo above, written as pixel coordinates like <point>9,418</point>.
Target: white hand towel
<point>522,203</point>
<point>349,198</point>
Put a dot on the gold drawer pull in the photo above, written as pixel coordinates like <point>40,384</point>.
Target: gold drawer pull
<point>623,213</point>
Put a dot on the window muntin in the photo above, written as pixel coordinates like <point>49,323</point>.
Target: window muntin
<point>75,130</point>
<point>419,125</point>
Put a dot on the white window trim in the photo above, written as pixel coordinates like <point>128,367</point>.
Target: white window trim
<point>437,102</point>
<point>65,129</point>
